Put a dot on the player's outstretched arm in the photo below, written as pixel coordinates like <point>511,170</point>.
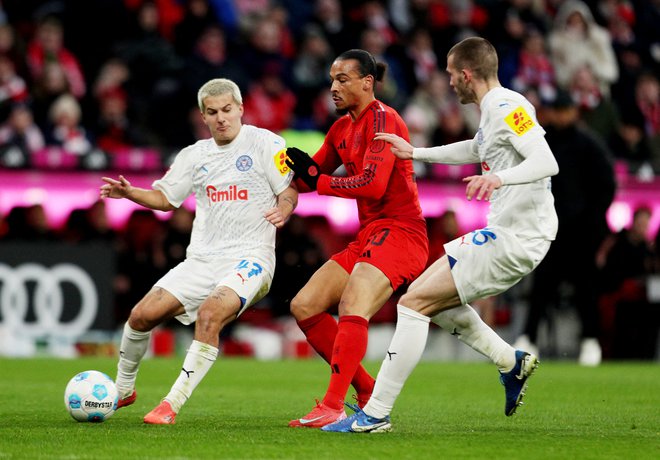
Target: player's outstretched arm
<point>400,147</point>
<point>122,188</point>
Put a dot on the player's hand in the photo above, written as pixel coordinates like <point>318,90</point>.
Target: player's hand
<point>276,217</point>
<point>400,147</point>
<point>481,187</point>
<point>115,188</point>
<point>303,166</point>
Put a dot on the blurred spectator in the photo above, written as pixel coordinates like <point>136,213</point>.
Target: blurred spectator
<point>329,18</point>
<point>392,90</point>
<point>170,13</point>
<point>647,97</point>
<point>269,104</point>
<point>98,225</point>
<point>65,129</point>
<point>265,49</point>
<point>630,143</point>
<point>47,46</point>
<point>280,16</point>
<point>441,230</point>
<point>28,223</point>
<point>420,60</point>
<point>12,47</point>
<point>177,235</point>
<point>197,17</point>
<point>140,261</point>
<point>208,59</point>
<point>298,255</point>
<point>583,189</point>
<point>114,131</point>
<point>310,75</point>
<point>372,14</point>
<point>597,110</point>
<point>51,85</point>
<point>631,321</point>
<point>154,68</point>
<point>535,68</point>
<point>21,131</point>
<point>576,41</point>
<point>114,74</point>
<point>13,87</point>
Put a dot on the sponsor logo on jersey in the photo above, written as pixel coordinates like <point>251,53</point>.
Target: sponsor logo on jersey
<point>484,166</point>
<point>280,162</point>
<point>247,269</point>
<point>244,163</point>
<point>519,121</point>
<point>233,193</point>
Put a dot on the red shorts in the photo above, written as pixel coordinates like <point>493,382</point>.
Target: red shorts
<point>399,250</point>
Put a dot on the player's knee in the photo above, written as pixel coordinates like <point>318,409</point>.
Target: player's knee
<point>140,321</point>
<point>410,300</point>
<point>301,308</point>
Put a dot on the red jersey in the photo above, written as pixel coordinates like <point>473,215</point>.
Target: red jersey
<point>382,184</point>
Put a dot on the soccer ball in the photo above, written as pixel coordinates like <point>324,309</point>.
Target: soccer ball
<point>91,396</point>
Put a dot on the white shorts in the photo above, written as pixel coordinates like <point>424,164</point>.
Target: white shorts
<point>490,260</point>
<point>193,280</point>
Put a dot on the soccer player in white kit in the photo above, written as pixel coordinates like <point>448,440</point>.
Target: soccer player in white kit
<point>516,165</point>
<point>243,193</point>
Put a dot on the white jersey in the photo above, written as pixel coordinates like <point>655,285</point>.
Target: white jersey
<point>508,125</point>
<point>234,185</point>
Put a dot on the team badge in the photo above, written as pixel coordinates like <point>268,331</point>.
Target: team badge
<point>519,121</point>
<point>243,163</point>
<point>280,162</point>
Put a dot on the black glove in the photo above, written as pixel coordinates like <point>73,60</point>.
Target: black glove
<point>303,165</point>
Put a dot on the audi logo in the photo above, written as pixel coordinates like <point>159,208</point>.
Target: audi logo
<point>47,299</point>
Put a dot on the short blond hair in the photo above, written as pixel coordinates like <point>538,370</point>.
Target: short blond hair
<point>217,87</point>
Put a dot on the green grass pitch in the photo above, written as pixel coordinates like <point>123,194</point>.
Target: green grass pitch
<point>241,411</point>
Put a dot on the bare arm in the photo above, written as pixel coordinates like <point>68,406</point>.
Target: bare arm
<point>286,203</point>
<point>122,188</point>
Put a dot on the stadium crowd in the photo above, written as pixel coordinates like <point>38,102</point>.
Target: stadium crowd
<point>114,75</point>
<point>91,82</point>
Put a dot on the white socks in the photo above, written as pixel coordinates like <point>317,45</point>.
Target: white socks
<point>403,354</point>
<point>465,323</point>
<point>199,359</point>
<point>133,346</point>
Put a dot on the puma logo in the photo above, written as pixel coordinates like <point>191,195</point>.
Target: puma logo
<point>187,372</point>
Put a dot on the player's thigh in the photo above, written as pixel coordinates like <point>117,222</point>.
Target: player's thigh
<point>433,291</point>
<point>156,307</point>
<point>219,309</point>
<point>322,292</point>
<point>367,290</point>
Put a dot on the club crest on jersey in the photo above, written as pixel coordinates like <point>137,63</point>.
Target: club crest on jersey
<point>233,193</point>
<point>244,163</point>
<point>519,121</point>
<point>280,162</point>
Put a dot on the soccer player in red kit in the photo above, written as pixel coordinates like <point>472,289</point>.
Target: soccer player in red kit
<point>391,247</point>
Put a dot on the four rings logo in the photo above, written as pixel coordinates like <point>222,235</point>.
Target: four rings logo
<point>47,298</point>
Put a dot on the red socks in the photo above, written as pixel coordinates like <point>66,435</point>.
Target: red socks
<point>321,332</point>
<point>350,347</point>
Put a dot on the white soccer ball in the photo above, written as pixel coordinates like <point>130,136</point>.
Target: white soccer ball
<point>91,396</point>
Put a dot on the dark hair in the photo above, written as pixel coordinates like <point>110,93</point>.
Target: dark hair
<point>367,64</point>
